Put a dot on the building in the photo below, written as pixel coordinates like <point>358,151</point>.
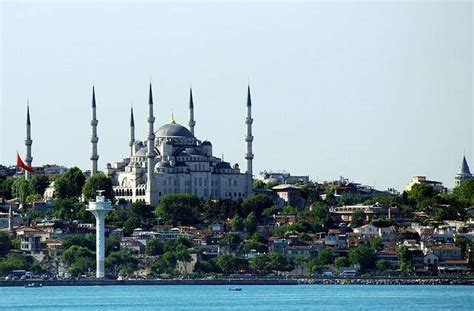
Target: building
<point>174,160</point>
<point>417,180</point>
<point>374,211</point>
<point>288,195</point>
<point>464,174</point>
<point>282,178</point>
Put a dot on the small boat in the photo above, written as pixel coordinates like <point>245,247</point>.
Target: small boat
<point>33,285</point>
<point>235,289</point>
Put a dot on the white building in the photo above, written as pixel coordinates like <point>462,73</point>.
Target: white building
<point>173,160</point>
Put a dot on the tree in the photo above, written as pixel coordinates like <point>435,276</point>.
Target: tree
<point>87,241</point>
<point>178,209</point>
<point>21,189</point>
<point>256,204</point>
<point>5,244</point>
<point>465,192</point>
<point>38,184</point>
<point>342,262</point>
<point>229,263</point>
<point>364,256</point>
<point>143,213</point>
<point>251,223</point>
<point>154,247</point>
<point>358,218</point>
<point>79,259</point>
<point>69,185</point>
<point>404,255</point>
<point>121,263</point>
<point>6,187</point>
<point>98,181</point>
<point>112,244</point>
<point>382,265</point>
<point>15,262</point>
<point>325,256</point>
<point>237,223</point>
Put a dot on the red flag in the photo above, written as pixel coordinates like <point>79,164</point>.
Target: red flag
<point>20,163</point>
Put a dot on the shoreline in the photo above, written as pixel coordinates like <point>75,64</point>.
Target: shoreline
<point>236,282</point>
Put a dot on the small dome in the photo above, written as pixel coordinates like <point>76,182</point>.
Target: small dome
<point>173,130</point>
<point>163,164</point>
<point>140,153</point>
<point>206,143</point>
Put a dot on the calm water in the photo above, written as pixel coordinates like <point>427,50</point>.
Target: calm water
<point>302,297</point>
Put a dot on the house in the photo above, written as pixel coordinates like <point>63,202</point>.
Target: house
<point>388,255</point>
<point>304,250</point>
<point>131,243</point>
<point>367,230</point>
<point>288,195</point>
<point>447,252</point>
<point>421,180</point>
<point>374,211</point>
<point>32,239</point>
<point>430,259</point>
<point>54,247</point>
<point>335,239</point>
<point>453,265</point>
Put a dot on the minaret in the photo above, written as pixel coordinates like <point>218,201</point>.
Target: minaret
<point>94,138</point>
<point>151,151</point>
<point>28,141</point>
<point>249,140</point>
<point>192,123</point>
<point>132,132</point>
<point>100,208</point>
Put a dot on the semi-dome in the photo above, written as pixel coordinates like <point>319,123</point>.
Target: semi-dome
<point>173,130</point>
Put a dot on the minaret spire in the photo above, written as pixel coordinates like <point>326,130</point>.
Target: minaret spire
<point>132,132</point>
<point>249,140</point>
<point>151,151</point>
<point>94,139</point>
<point>192,123</point>
<point>28,140</point>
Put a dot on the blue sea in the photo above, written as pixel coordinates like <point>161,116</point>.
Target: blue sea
<point>203,297</point>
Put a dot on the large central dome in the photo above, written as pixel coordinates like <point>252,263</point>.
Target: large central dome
<point>173,130</point>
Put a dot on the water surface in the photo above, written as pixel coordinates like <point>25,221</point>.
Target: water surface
<point>209,297</point>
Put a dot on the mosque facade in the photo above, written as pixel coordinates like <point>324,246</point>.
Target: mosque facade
<point>172,160</point>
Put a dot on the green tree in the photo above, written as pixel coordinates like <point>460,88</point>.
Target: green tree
<point>98,181</point>
<point>33,197</point>
<point>364,256</point>
<point>358,218</point>
<point>6,187</point>
<point>465,192</point>
<point>121,263</point>
<point>229,263</point>
<point>15,262</point>
<point>342,262</point>
<point>38,184</point>
<point>251,223</point>
<point>179,209</point>
<point>20,188</point>
<point>78,259</point>
<point>256,204</point>
<point>5,244</point>
<point>143,213</point>
<point>237,223</point>
<point>69,185</point>
<point>404,255</point>
<point>382,265</point>
<point>83,240</point>
<point>154,247</point>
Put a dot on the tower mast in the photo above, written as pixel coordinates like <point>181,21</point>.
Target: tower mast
<point>191,123</point>
<point>94,138</point>
<point>151,151</point>
<point>28,141</point>
<point>249,140</point>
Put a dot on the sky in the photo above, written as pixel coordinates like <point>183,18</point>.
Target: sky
<point>376,92</point>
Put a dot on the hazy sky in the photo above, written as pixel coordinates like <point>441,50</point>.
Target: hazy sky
<point>376,92</point>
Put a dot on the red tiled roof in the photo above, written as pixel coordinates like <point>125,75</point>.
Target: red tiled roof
<point>445,247</point>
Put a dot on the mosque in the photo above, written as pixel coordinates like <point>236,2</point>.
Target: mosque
<point>173,160</point>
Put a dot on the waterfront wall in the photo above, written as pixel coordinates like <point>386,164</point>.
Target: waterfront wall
<point>238,282</point>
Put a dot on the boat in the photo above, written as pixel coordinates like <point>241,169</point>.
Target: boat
<point>235,289</point>
<point>33,285</point>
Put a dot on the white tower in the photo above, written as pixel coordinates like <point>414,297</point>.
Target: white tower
<point>100,208</point>
<point>94,138</point>
<point>249,140</point>
<point>191,123</point>
<point>28,141</point>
